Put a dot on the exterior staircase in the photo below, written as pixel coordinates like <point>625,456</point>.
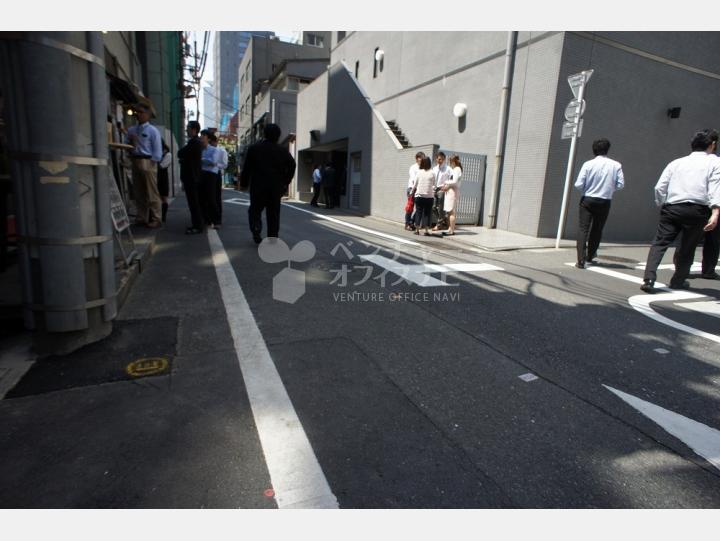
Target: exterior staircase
<point>399,134</point>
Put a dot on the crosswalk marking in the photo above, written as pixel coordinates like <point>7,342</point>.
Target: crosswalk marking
<point>419,274</point>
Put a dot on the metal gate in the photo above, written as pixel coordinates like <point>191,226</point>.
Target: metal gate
<point>472,186</point>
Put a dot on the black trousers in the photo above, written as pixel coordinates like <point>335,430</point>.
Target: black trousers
<point>316,193</point>
<point>268,201</point>
<point>685,218</point>
<point>329,195</point>
<point>209,197</point>
<point>193,201</point>
<point>423,211</point>
<point>593,213</point>
<point>218,197</point>
<point>711,250</point>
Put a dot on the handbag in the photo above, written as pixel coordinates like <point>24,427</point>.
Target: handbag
<point>410,205</point>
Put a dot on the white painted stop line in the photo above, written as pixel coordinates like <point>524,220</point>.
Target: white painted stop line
<point>702,439</point>
<point>419,274</point>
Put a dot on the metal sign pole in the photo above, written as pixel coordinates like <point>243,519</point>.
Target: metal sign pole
<point>569,173</point>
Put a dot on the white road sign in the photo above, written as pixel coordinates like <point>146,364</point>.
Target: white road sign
<point>569,128</point>
<point>579,79</point>
<point>572,109</point>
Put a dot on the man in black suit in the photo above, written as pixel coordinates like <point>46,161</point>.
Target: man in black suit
<point>267,171</point>
<point>190,157</point>
<point>329,185</point>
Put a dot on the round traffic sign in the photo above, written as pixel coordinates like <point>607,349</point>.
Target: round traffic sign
<point>571,110</point>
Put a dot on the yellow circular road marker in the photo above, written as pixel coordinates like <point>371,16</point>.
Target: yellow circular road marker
<point>148,366</point>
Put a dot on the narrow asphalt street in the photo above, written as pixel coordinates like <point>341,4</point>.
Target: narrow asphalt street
<point>414,372</point>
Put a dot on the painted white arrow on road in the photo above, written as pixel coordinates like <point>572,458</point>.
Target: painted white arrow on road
<point>701,438</point>
<point>418,274</point>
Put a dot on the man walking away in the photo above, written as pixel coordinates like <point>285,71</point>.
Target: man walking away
<point>687,187</point>
<point>328,185</point>
<point>317,185</point>
<point>222,162</point>
<point>190,157</point>
<point>598,179</point>
<point>267,171</point>
<point>711,242</point>
<point>146,154</point>
<point>208,181</point>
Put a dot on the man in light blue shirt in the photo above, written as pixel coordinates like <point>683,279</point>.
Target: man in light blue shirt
<point>146,154</point>
<point>598,179</point>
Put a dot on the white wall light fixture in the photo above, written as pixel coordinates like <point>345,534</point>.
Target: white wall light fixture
<point>460,110</point>
<point>379,55</point>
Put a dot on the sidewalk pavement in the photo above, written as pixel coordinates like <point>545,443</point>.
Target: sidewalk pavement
<point>96,429</point>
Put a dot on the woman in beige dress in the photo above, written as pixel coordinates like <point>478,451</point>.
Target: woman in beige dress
<point>452,192</point>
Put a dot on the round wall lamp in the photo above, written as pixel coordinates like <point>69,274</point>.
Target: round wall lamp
<point>379,55</point>
<point>460,110</point>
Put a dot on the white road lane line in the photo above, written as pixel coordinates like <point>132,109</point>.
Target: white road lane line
<point>702,439</point>
<point>296,475</point>
<point>356,227</point>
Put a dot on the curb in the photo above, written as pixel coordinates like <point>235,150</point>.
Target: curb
<point>131,274</point>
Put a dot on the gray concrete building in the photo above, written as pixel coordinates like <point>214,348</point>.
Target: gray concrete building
<point>389,94</point>
<point>269,67</point>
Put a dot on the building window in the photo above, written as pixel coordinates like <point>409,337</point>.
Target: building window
<point>357,68</point>
<point>341,36</point>
<point>292,83</point>
<point>315,40</point>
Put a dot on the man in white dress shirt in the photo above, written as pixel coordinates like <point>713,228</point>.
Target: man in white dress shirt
<point>598,179</point>
<point>687,187</point>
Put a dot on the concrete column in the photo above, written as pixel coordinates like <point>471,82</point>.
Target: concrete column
<point>57,103</point>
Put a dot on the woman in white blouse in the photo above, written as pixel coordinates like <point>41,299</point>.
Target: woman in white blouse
<point>452,192</point>
<point>423,188</point>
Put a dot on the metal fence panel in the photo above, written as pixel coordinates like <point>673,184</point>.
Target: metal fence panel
<point>472,186</point>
